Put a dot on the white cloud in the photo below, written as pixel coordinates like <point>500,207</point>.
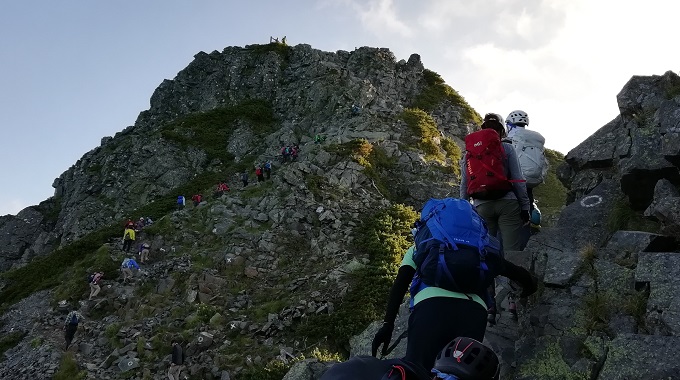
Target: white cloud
<point>12,206</point>
<point>380,18</point>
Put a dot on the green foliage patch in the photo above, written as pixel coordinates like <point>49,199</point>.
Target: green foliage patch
<point>385,236</point>
<point>551,195</point>
<point>436,92</point>
<point>10,340</point>
<point>424,127</point>
<point>68,369</point>
<point>211,130</point>
<point>623,217</point>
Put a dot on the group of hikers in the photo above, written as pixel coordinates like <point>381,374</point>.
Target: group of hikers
<point>458,252</point>
<point>289,152</point>
<point>127,268</point>
<point>451,269</point>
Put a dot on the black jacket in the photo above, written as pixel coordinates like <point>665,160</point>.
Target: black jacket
<point>177,355</point>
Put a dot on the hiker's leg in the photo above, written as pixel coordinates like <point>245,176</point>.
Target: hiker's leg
<point>510,223</point>
<point>70,333</point>
<point>97,288</point>
<point>487,211</point>
<point>436,321</point>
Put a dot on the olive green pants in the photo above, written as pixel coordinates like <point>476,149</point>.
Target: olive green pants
<point>503,215</point>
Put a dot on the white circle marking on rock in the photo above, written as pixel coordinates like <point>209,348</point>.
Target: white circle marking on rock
<point>591,200</point>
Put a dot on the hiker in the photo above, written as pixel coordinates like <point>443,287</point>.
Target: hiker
<point>71,326</point>
<point>448,293</point>
<point>355,110</point>
<point>268,169</point>
<point>177,361</point>
<point>461,359</point>
<point>492,178</point>
<point>126,268</point>
<point>139,224</point>
<point>294,152</point>
<point>129,224</point>
<point>259,173</point>
<point>283,154</point>
<point>128,239</point>
<point>530,148</point>
<point>94,284</point>
<point>244,178</point>
<point>144,252</point>
<point>148,221</point>
<point>221,188</point>
<point>283,40</point>
<point>318,138</point>
<point>180,202</point>
<point>196,198</point>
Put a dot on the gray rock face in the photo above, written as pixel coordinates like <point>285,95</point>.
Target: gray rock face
<point>310,92</point>
<point>639,147</point>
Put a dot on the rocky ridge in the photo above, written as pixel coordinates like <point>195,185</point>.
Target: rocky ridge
<point>607,307</point>
<point>235,275</point>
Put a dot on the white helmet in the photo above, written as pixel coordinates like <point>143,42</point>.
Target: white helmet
<point>517,117</point>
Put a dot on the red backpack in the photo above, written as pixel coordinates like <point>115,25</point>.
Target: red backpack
<point>485,165</point>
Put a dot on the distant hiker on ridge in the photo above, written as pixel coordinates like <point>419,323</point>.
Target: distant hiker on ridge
<point>126,268</point>
<point>71,326</point>
<point>94,284</point>
<point>128,239</point>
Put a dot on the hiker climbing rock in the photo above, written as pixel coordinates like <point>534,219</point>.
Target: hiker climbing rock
<point>139,224</point>
<point>126,268</point>
<point>267,167</point>
<point>221,189</point>
<point>94,280</point>
<point>259,173</point>
<point>128,239</point>
<point>448,296</point>
<point>197,198</point>
<point>180,202</point>
<point>530,148</point>
<point>244,178</point>
<point>176,361</point>
<point>144,252</point>
<point>71,326</point>
<point>501,198</point>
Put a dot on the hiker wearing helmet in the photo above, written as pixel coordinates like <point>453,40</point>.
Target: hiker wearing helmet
<point>449,269</point>
<point>530,149</point>
<point>461,359</point>
<point>497,188</point>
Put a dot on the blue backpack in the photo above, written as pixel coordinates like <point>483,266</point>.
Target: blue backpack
<point>453,249</point>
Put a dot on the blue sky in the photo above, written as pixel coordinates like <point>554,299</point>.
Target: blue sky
<point>74,71</point>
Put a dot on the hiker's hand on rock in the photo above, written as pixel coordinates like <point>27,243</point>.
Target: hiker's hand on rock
<point>383,337</point>
<point>524,214</point>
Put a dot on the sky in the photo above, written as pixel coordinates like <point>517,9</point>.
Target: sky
<point>74,71</point>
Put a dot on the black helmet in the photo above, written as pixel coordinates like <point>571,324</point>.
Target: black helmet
<point>468,359</point>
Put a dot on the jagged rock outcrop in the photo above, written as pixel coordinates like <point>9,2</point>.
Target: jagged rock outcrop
<point>307,91</point>
<point>638,148</point>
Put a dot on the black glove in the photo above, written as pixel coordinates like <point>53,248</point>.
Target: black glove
<point>530,289</point>
<point>524,214</point>
<point>383,337</point>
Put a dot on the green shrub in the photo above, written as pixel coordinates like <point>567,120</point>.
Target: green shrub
<point>424,127</point>
<point>68,369</point>
<point>436,91</point>
<point>210,130</point>
<point>551,195</point>
<point>453,153</point>
<point>10,340</point>
<point>385,236</point>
